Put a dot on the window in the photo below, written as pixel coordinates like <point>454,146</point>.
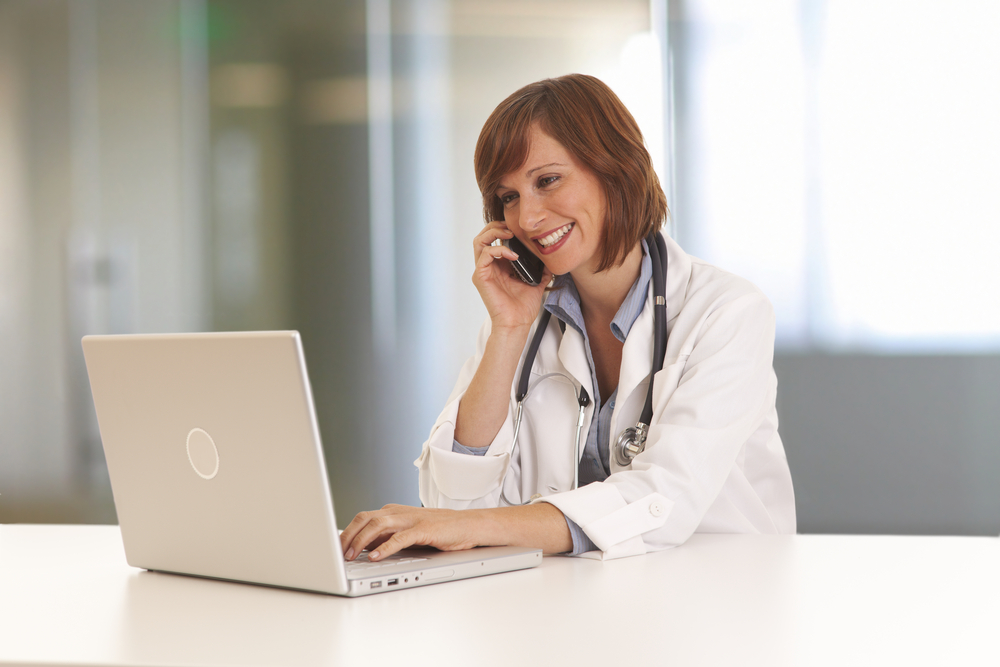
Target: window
<point>845,156</point>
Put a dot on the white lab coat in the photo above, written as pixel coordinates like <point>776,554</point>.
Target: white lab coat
<point>713,460</point>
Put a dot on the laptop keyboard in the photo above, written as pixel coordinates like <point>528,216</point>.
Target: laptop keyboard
<point>361,563</point>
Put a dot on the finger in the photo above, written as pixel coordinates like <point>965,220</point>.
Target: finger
<point>378,541</point>
<point>491,233</point>
<point>356,525</point>
<point>399,541</point>
<point>379,528</point>
<point>494,252</point>
<point>360,521</point>
<point>492,241</point>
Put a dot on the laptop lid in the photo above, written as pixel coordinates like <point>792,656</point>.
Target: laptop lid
<point>214,455</point>
<point>217,467</point>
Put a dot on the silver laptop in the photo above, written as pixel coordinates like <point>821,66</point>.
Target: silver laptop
<point>217,468</point>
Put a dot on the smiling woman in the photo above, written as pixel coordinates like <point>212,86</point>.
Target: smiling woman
<point>554,204</point>
<point>542,122</point>
<point>561,166</point>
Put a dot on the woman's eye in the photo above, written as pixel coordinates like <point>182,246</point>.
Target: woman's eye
<point>508,198</point>
<point>547,180</point>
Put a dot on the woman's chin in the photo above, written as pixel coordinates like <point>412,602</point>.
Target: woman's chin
<point>560,266</point>
<point>560,262</point>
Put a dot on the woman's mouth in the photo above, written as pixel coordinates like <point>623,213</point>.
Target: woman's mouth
<point>554,239</point>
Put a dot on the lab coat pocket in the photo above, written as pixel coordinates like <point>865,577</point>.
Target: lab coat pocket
<point>464,477</point>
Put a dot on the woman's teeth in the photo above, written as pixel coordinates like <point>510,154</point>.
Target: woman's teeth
<point>554,236</point>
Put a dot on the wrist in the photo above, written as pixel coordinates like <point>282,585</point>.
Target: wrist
<point>510,330</point>
<point>509,337</point>
<point>540,525</point>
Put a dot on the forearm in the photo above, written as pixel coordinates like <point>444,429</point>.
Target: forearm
<point>540,525</point>
<point>483,408</point>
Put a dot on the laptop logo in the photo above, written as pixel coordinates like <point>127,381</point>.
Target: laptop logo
<point>202,453</point>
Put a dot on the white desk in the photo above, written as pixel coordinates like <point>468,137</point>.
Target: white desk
<point>68,597</point>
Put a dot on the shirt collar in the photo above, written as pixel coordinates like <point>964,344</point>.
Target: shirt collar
<point>564,301</point>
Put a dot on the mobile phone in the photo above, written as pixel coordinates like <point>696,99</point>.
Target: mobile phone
<point>527,265</point>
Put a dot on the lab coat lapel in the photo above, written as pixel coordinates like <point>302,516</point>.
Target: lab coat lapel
<point>678,277</point>
<point>637,354</point>
<point>637,357</point>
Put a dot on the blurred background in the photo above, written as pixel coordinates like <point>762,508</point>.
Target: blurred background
<point>193,165</point>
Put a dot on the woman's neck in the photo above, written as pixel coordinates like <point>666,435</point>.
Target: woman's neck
<point>602,294</point>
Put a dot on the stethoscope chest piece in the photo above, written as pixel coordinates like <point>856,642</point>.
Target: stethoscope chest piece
<point>630,443</point>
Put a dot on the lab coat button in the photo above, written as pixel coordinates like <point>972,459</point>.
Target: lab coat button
<point>656,508</point>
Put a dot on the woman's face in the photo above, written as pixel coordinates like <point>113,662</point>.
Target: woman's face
<point>555,206</point>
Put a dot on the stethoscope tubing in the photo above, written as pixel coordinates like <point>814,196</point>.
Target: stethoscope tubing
<point>631,441</point>
<point>658,259</point>
<point>583,399</point>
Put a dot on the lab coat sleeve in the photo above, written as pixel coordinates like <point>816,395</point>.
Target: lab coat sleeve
<point>453,479</point>
<point>707,404</point>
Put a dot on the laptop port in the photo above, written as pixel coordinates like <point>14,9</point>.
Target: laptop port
<point>376,584</point>
<point>393,582</point>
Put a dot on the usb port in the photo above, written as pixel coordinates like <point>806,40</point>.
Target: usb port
<point>393,582</point>
<point>376,584</point>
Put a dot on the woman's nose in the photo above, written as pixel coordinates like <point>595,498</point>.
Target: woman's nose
<point>532,213</point>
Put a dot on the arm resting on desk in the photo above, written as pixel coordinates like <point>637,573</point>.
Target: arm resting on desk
<point>396,527</point>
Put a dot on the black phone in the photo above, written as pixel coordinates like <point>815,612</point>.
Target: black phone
<point>527,265</point>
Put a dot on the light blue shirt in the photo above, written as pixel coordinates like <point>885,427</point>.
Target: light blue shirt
<point>564,303</point>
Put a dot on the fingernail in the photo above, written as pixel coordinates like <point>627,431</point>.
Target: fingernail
<point>515,255</point>
<point>373,555</point>
<point>350,554</point>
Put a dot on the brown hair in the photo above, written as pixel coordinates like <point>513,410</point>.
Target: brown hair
<point>588,119</point>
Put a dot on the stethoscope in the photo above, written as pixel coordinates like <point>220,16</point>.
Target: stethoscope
<point>632,440</point>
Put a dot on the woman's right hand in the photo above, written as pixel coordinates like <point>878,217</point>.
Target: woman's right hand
<point>511,303</point>
<point>513,306</point>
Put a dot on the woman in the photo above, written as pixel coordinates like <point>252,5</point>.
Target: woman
<point>562,167</point>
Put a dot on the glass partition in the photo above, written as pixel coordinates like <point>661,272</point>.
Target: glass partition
<point>234,165</point>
